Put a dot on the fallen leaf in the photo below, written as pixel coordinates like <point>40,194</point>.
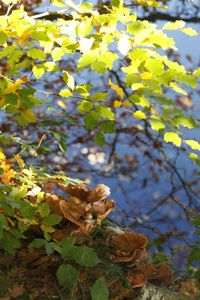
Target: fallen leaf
<point>189,287</point>
<point>16,290</point>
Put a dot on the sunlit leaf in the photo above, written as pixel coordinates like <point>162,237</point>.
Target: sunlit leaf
<point>193,144</point>
<point>189,31</point>
<point>117,89</point>
<point>139,115</point>
<point>124,45</point>
<point>172,137</point>
<point>156,124</point>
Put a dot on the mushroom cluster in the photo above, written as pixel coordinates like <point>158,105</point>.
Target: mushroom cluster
<point>83,210</point>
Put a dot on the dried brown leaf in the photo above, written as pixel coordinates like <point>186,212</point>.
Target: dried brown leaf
<point>189,287</point>
<point>16,290</point>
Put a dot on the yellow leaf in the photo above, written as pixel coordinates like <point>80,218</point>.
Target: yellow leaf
<point>6,177</point>
<point>193,144</point>
<point>117,89</point>
<point>127,103</point>
<point>2,156</point>
<point>13,86</point>
<point>137,86</point>
<point>177,88</point>
<point>139,115</point>
<point>23,39</point>
<point>117,103</point>
<point>2,102</point>
<point>19,160</point>
<point>172,137</point>
<point>146,75</point>
<point>61,104</point>
<point>29,115</point>
<point>47,228</point>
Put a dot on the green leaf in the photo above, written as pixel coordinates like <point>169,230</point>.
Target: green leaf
<point>105,112</point>
<point>27,209</point>
<point>91,119</point>
<point>85,106</point>
<point>36,53</point>
<point>99,96</point>
<point>63,145</point>
<point>178,89</point>
<point>57,53</point>
<point>40,36</point>
<point>52,220</point>
<point>193,144</point>
<point>185,121</point>
<point>99,67</point>
<point>99,290</point>
<point>107,127</point>
<point>68,248</point>
<point>86,256</point>
<point>196,221</point>
<point>69,80</point>
<point>108,59</point>
<point>9,243</point>
<point>65,93</point>
<point>100,139</point>
<point>84,27</point>
<point>140,100</point>
<point>117,3</point>
<point>18,193</point>
<point>44,210</point>
<point>37,243</point>
<point>38,71</point>
<point>172,137</point>
<point>136,27</point>
<point>154,66</point>
<point>88,58</point>
<point>3,224</point>
<point>66,274</point>
<point>156,124</point>
<point>3,38</point>
<point>194,255</point>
